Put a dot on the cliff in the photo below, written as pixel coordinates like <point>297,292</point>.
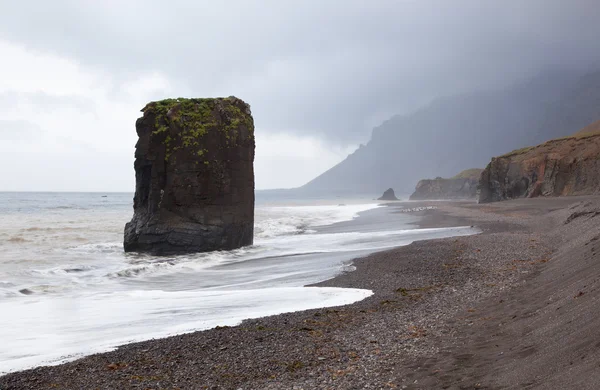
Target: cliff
<point>564,166</point>
<point>194,177</point>
<point>461,186</point>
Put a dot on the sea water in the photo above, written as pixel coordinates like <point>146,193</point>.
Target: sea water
<point>67,289</point>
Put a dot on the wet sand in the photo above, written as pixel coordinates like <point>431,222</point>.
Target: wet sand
<point>513,307</point>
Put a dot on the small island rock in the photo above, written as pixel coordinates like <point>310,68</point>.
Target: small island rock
<point>388,195</point>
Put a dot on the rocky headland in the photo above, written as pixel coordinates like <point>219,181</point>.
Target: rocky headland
<point>559,167</point>
<point>461,186</point>
<point>194,177</point>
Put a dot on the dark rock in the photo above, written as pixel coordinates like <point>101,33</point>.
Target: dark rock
<point>560,167</point>
<point>388,195</point>
<point>462,186</point>
<point>194,177</point>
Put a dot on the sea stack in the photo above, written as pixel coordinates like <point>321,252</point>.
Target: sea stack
<point>388,195</point>
<point>194,177</point>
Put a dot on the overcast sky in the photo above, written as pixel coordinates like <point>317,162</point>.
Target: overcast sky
<point>318,74</point>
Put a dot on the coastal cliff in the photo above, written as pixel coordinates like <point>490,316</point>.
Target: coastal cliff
<point>194,177</point>
<point>560,167</point>
<point>461,186</point>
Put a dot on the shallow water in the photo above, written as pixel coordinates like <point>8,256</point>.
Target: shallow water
<point>68,289</point>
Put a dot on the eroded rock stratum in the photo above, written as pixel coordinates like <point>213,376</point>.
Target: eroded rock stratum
<point>194,177</point>
<point>560,167</point>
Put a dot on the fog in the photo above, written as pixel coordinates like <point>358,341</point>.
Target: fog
<point>317,74</point>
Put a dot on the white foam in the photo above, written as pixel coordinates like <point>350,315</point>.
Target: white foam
<point>282,220</point>
<point>65,328</point>
<point>89,297</point>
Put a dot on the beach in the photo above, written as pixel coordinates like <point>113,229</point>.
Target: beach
<point>511,307</point>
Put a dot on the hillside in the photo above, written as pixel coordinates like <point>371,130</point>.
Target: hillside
<point>458,132</point>
<point>559,167</point>
<point>473,173</point>
<point>592,129</point>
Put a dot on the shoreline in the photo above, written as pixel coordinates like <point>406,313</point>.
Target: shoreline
<point>373,218</point>
<point>299,298</point>
<point>415,331</point>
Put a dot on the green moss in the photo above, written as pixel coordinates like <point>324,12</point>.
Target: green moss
<point>517,152</point>
<point>194,118</point>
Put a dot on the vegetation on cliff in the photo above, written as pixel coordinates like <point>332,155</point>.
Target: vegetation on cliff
<point>590,131</point>
<point>472,173</point>
<point>189,120</point>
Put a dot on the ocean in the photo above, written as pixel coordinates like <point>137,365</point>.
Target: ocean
<point>67,289</point>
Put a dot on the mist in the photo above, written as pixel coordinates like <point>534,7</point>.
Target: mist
<point>315,73</point>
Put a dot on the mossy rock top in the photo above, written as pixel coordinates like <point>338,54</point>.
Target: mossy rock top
<point>190,104</point>
<point>200,110</point>
<point>183,122</point>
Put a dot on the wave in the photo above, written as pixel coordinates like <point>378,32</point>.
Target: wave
<point>65,270</point>
<point>291,220</point>
<point>67,208</point>
<point>142,269</point>
<point>17,239</point>
<point>52,229</point>
<point>98,322</point>
<point>284,250</point>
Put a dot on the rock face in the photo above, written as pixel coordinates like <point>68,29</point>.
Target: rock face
<point>462,186</point>
<point>567,166</point>
<point>388,195</point>
<point>194,177</point>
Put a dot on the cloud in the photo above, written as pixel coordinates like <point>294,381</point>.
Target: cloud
<point>315,67</point>
<point>324,73</point>
<point>9,100</point>
<point>277,152</point>
<point>18,130</point>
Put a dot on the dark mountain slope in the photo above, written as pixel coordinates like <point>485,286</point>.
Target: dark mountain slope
<point>458,132</point>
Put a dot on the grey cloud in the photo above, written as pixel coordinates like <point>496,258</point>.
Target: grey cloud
<point>44,101</point>
<point>25,131</point>
<point>18,130</point>
<point>313,67</point>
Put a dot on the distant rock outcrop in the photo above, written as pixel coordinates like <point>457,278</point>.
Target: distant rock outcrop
<point>388,195</point>
<point>194,177</point>
<point>565,166</point>
<point>461,186</point>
